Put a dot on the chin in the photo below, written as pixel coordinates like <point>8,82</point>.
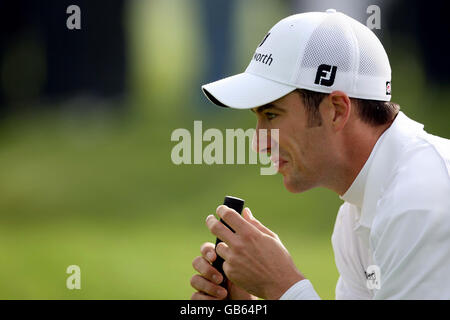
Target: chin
<point>295,186</point>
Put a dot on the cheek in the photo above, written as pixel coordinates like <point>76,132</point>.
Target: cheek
<point>318,149</point>
<point>306,148</point>
<point>296,148</point>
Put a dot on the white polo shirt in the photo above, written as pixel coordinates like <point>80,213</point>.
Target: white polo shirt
<point>391,239</point>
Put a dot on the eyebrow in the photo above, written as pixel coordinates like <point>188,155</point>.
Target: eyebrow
<point>267,106</point>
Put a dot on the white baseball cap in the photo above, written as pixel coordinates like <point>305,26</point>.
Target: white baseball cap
<point>318,51</point>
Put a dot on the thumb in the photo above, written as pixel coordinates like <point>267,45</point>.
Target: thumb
<point>247,214</point>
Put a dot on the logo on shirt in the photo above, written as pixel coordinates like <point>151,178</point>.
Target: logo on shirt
<point>373,277</point>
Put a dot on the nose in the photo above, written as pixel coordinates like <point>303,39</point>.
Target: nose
<point>262,141</point>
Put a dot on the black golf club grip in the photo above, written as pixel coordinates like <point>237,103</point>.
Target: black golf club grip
<point>236,204</point>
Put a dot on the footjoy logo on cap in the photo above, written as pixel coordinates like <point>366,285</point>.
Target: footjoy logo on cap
<point>388,87</point>
<point>325,75</point>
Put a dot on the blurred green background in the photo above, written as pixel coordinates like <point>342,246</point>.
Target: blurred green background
<point>98,189</point>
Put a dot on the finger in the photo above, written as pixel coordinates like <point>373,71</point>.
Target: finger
<point>208,251</point>
<point>201,284</point>
<point>226,268</point>
<point>223,250</point>
<point>201,296</point>
<point>201,265</point>
<point>220,230</point>
<point>248,216</point>
<point>233,219</point>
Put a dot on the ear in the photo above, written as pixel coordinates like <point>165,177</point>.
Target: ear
<point>341,108</point>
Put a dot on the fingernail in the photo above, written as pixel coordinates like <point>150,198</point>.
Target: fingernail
<point>221,292</point>
<point>210,256</point>
<point>218,212</point>
<point>216,279</point>
<point>250,213</point>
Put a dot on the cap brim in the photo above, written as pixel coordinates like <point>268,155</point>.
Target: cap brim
<point>245,91</point>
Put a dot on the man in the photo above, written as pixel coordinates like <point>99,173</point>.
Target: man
<point>323,80</point>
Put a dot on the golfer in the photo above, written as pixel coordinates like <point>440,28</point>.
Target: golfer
<point>324,80</point>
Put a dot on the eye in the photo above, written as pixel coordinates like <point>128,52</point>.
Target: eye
<point>270,115</point>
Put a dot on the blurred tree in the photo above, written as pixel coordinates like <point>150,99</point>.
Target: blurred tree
<point>425,23</point>
<point>90,61</point>
<point>217,20</point>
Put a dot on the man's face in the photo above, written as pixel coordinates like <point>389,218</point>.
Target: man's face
<point>305,151</point>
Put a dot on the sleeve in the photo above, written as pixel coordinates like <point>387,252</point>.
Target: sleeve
<point>302,290</point>
<point>413,256</point>
<point>346,292</point>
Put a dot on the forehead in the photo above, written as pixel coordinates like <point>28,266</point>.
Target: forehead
<point>264,107</point>
<point>283,104</point>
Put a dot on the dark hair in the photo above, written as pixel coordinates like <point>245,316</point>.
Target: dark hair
<point>372,112</point>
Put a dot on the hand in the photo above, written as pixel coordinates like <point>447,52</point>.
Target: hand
<point>207,282</point>
<point>255,258</point>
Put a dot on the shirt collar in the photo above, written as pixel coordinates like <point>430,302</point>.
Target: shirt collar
<point>368,185</point>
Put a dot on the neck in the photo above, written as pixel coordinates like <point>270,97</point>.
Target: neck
<point>357,145</point>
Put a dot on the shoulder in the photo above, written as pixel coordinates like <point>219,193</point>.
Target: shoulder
<point>420,179</point>
<point>418,187</point>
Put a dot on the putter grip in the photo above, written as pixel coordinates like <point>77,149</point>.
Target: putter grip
<point>236,204</point>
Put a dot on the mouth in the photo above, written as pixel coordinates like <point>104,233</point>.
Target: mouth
<point>278,162</point>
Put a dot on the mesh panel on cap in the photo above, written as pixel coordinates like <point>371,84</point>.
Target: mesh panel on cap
<point>372,57</point>
<point>329,44</point>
